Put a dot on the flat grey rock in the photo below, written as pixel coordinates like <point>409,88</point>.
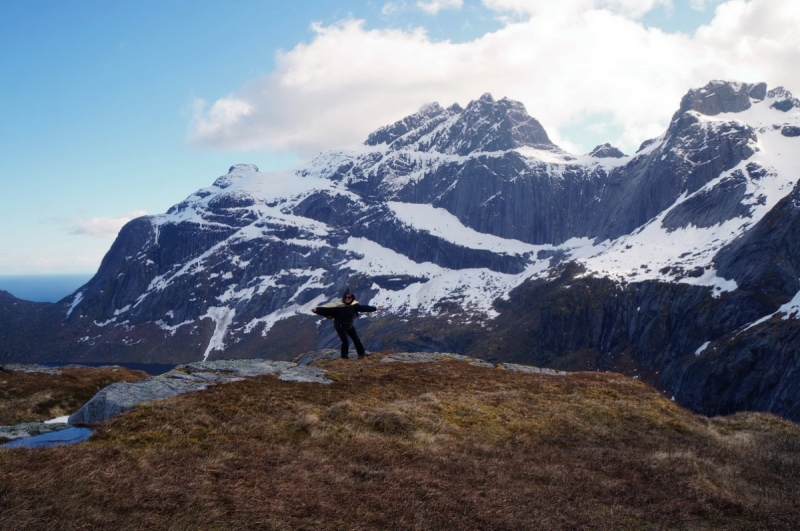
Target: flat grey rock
<point>20,367</point>
<point>304,373</point>
<point>314,355</point>
<point>325,354</point>
<point>123,396</point>
<point>235,368</point>
<point>531,369</point>
<point>424,357</point>
<point>79,366</point>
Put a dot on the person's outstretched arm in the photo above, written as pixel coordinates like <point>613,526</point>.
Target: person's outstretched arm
<point>366,308</point>
<point>325,312</point>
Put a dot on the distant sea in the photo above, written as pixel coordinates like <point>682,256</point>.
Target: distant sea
<point>42,288</point>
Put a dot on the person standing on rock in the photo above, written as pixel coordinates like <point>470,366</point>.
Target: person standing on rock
<point>343,315</point>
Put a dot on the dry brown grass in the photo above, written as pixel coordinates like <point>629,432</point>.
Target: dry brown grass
<point>423,447</point>
<point>36,397</point>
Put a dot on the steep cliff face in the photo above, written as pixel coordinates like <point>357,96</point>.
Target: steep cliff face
<point>477,233</point>
<point>748,370</point>
<point>767,258</point>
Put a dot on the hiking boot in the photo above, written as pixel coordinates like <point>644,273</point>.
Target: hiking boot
<point>345,358</point>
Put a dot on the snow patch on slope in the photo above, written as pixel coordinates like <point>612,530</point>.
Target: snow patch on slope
<point>648,251</point>
<point>790,310</point>
<point>171,329</point>
<point>441,223</point>
<point>222,318</point>
<point>473,290</point>
<point>75,302</point>
<point>286,312</point>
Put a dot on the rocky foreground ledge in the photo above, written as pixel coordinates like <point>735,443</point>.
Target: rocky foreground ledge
<point>120,397</point>
<point>414,443</point>
<point>124,396</point>
<point>36,400</point>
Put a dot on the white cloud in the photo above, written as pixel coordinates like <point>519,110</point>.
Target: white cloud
<point>104,227</point>
<point>432,7</point>
<point>224,113</point>
<point>564,60</point>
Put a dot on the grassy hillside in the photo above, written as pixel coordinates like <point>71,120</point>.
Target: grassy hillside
<point>36,397</point>
<point>434,446</point>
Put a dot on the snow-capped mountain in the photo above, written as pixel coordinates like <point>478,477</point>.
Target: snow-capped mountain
<point>451,218</point>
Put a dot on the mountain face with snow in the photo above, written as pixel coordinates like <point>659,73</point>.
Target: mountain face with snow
<point>679,263</point>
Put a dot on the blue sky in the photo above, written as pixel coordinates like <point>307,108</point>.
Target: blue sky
<point>110,109</point>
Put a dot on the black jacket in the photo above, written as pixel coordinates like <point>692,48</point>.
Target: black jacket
<point>343,315</point>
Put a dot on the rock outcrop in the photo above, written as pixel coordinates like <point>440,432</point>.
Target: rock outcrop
<point>722,96</point>
<point>120,397</point>
<point>605,151</point>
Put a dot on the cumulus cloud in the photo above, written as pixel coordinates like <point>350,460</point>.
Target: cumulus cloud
<point>104,227</point>
<point>569,62</point>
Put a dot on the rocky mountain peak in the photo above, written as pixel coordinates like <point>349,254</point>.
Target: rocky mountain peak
<point>243,168</point>
<point>492,125</point>
<point>721,96</point>
<point>236,171</point>
<point>428,113</point>
<point>605,151</point>
<point>782,99</point>
<point>485,124</point>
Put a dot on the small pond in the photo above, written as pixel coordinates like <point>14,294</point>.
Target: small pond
<point>70,435</point>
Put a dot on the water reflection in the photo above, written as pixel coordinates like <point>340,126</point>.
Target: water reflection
<point>54,438</point>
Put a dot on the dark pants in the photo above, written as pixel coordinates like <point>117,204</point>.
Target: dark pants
<point>351,331</point>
